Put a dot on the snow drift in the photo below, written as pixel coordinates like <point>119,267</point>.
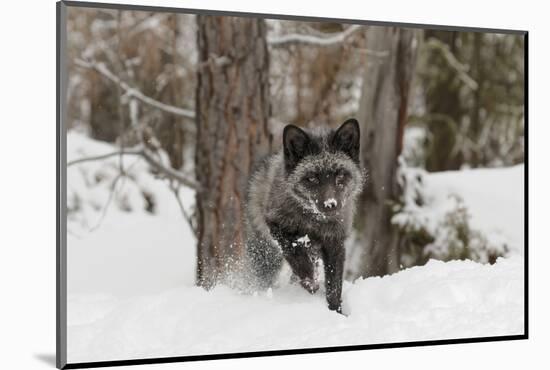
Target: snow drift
<point>436,301</point>
<point>131,269</point>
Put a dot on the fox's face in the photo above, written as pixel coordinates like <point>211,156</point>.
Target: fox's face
<point>323,169</point>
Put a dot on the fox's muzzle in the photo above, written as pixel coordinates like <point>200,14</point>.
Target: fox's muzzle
<point>330,201</point>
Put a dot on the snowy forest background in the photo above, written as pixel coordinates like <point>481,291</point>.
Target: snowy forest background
<point>166,115</point>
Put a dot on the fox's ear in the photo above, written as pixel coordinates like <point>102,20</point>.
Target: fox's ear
<point>346,138</point>
<point>295,144</point>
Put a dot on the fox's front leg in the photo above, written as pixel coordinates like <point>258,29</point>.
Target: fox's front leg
<point>333,260</point>
<point>295,250</point>
<point>302,266</point>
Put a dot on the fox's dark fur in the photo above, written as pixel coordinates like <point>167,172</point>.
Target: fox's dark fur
<point>300,206</point>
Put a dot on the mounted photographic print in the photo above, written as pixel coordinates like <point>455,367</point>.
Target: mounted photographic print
<point>234,184</point>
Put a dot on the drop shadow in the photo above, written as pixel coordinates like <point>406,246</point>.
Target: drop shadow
<point>47,358</point>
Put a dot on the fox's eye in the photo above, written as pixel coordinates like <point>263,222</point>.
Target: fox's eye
<point>340,179</point>
<point>312,180</point>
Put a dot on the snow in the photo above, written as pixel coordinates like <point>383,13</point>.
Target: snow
<point>129,251</point>
<point>302,241</point>
<point>131,290</point>
<point>459,299</point>
<point>330,203</point>
<point>413,147</point>
<point>315,210</point>
<point>489,203</point>
<point>275,40</point>
<point>494,198</point>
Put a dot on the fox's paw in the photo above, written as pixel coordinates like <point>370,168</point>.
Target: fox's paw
<point>311,285</point>
<point>336,306</point>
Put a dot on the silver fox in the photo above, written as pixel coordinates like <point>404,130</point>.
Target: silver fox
<point>300,206</point>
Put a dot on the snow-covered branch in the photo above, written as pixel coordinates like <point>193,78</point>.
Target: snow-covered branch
<point>133,92</point>
<point>322,41</point>
<point>298,38</point>
<point>103,156</point>
<point>454,63</point>
<point>149,158</point>
<point>168,171</point>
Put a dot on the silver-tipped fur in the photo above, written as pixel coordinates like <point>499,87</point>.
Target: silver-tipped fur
<point>307,191</point>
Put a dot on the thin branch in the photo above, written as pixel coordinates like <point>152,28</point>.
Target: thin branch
<point>149,158</point>
<point>299,38</point>
<point>454,63</point>
<point>372,53</point>
<point>121,175</point>
<point>119,92</point>
<point>168,171</point>
<point>215,61</point>
<point>133,92</point>
<point>109,200</point>
<point>103,156</point>
<point>149,22</point>
<point>186,215</point>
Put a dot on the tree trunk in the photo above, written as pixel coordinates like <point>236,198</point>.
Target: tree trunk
<point>383,115</point>
<point>105,119</point>
<point>232,119</point>
<point>477,74</point>
<point>170,130</point>
<point>443,106</point>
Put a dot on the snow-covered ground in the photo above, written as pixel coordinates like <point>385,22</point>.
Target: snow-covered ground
<point>131,277</point>
<point>494,198</point>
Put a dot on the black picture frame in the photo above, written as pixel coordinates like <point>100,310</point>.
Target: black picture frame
<point>61,187</point>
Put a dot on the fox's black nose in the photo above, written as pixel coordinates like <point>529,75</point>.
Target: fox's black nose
<point>330,204</point>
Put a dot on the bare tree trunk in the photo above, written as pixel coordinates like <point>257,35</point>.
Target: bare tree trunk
<point>443,106</point>
<point>475,113</point>
<point>170,130</point>
<point>232,118</point>
<point>105,118</point>
<point>383,115</point>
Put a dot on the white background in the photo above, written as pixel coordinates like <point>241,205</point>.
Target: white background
<point>27,182</point>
